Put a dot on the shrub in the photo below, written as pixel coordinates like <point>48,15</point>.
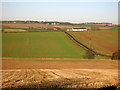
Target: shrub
<point>89,55</point>
<point>116,55</point>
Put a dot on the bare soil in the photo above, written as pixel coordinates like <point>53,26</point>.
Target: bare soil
<point>59,78</point>
<point>14,30</point>
<point>57,63</point>
<point>37,73</point>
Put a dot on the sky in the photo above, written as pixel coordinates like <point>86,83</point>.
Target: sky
<point>75,12</point>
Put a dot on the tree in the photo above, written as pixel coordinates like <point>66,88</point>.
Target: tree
<point>116,55</point>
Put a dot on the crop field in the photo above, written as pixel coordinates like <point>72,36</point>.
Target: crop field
<point>105,42</point>
<point>39,44</point>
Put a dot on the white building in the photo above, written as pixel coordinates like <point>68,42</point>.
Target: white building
<point>77,29</point>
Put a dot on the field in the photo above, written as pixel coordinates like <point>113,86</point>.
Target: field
<point>105,42</point>
<point>54,73</point>
<point>52,79</point>
<point>40,44</point>
<point>39,60</point>
<point>25,25</point>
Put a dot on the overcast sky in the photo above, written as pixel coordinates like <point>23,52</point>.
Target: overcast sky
<point>75,12</point>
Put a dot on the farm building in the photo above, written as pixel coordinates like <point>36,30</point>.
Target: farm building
<point>77,29</point>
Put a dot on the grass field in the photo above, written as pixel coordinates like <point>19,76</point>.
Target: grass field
<point>105,41</point>
<point>40,44</point>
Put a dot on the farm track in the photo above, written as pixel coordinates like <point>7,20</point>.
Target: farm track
<point>59,78</point>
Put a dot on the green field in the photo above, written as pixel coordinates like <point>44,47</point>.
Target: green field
<point>40,44</point>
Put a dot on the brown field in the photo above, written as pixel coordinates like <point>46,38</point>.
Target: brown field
<point>58,73</point>
<point>59,78</point>
<point>64,26</point>
<point>57,63</point>
<point>35,25</point>
<point>45,25</point>
<point>14,30</point>
<point>105,42</point>
<point>25,25</point>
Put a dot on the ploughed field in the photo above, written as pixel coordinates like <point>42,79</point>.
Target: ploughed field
<point>53,73</point>
<point>105,42</point>
<point>35,79</point>
<point>40,44</point>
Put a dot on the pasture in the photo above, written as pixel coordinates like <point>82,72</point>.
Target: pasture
<point>40,44</point>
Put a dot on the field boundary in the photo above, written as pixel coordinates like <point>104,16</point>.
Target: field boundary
<point>50,58</point>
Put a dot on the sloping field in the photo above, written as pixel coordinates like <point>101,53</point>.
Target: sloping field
<point>105,42</point>
<point>53,73</point>
<point>40,44</point>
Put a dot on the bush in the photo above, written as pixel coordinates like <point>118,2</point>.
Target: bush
<point>89,55</point>
<point>116,55</point>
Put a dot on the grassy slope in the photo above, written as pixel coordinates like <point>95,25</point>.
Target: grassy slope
<point>102,41</point>
<point>42,44</point>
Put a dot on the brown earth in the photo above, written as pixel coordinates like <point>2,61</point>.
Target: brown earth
<point>14,30</point>
<point>57,63</point>
<point>36,73</point>
<point>44,25</point>
<point>26,25</point>
<point>59,78</point>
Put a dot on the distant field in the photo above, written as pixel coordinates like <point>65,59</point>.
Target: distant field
<point>105,42</point>
<point>40,44</point>
<point>25,25</point>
